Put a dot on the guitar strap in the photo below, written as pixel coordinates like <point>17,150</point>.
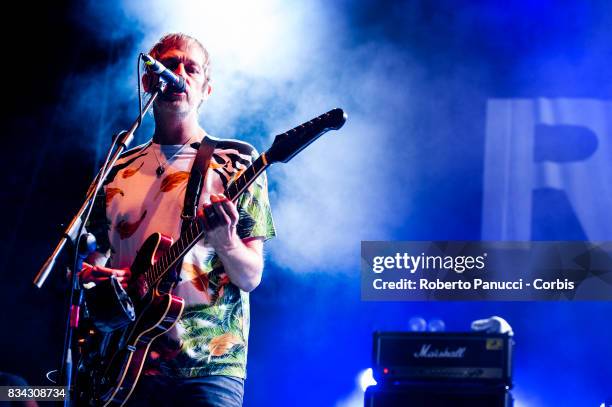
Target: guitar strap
<point>197,178</point>
<point>196,181</point>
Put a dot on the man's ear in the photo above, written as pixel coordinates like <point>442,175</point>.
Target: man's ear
<point>206,93</point>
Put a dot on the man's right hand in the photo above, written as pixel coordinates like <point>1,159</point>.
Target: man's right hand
<point>97,274</point>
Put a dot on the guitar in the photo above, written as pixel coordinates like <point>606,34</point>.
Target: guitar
<point>113,359</point>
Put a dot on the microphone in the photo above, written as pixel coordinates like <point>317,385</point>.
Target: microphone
<point>176,82</point>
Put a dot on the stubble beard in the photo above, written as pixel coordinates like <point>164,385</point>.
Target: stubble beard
<point>178,108</point>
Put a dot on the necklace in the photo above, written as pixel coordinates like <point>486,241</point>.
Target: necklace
<point>162,167</point>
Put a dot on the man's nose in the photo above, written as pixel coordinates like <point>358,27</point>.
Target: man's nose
<point>180,69</point>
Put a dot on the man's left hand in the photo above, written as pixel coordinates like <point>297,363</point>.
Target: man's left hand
<point>242,260</point>
<point>220,219</point>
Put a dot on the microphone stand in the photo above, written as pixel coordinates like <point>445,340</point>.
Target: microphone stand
<point>73,234</point>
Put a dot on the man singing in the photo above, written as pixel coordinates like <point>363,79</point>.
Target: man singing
<point>202,359</point>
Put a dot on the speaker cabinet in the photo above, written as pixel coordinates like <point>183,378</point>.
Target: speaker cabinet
<point>437,395</point>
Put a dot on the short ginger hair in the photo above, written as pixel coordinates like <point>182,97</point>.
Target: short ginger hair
<point>178,40</point>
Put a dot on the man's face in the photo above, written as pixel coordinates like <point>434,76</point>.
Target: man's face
<point>188,62</point>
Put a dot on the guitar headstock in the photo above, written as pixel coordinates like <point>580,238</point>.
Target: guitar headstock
<point>290,143</point>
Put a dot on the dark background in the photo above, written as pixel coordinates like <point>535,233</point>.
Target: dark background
<point>311,334</point>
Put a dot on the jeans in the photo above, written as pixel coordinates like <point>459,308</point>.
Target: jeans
<point>207,391</point>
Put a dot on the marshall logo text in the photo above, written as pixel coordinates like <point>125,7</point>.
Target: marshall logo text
<point>428,353</point>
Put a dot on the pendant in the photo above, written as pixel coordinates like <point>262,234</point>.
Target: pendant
<point>159,171</point>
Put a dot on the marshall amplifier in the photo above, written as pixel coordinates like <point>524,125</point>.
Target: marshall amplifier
<point>462,357</point>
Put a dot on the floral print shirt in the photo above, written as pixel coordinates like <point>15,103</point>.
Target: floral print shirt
<point>211,336</point>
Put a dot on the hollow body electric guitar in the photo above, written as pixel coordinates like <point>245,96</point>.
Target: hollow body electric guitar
<point>112,362</point>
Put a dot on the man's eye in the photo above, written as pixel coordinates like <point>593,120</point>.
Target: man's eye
<point>170,64</point>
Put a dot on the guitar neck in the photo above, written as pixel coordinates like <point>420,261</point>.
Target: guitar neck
<point>284,148</point>
<point>195,231</point>
<point>244,180</point>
